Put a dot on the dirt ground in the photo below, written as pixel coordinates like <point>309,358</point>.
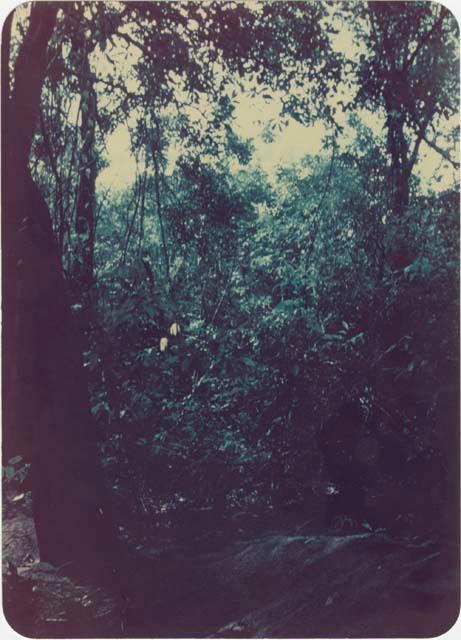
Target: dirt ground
<point>268,585</point>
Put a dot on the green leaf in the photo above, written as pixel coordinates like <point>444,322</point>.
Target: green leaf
<point>295,369</point>
<point>15,460</point>
<point>9,472</point>
<point>335,337</point>
<point>100,408</point>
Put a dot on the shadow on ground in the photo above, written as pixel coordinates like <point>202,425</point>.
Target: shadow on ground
<point>275,585</point>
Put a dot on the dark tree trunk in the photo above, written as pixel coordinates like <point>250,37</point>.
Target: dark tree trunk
<point>85,215</point>
<point>400,173</point>
<point>400,169</point>
<point>46,407</point>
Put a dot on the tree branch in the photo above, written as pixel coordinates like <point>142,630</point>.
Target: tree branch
<point>425,39</point>
<point>445,155</point>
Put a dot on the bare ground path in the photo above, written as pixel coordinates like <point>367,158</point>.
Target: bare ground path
<point>274,585</point>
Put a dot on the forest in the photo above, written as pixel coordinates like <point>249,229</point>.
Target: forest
<point>230,302</point>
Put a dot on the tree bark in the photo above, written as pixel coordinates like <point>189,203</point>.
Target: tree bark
<point>86,200</point>
<point>46,404</point>
<point>400,162</point>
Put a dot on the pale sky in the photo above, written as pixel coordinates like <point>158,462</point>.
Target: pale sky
<point>252,114</point>
<point>290,145</point>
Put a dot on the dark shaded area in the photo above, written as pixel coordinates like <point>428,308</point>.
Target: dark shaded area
<point>235,584</point>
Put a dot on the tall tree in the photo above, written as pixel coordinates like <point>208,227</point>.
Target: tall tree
<point>46,408</point>
<point>409,71</point>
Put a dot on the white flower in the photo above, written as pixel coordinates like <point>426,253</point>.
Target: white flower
<point>174,329</point>
<point>163,344</point>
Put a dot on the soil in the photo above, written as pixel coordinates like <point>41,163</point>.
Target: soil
<point>249,584</point>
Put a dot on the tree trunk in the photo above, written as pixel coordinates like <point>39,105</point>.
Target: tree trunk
<point>86,200</point>
<point>398,149</point>
<point>46,406</point>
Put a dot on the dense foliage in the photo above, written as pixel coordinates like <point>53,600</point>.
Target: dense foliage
<point>289,340</point>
